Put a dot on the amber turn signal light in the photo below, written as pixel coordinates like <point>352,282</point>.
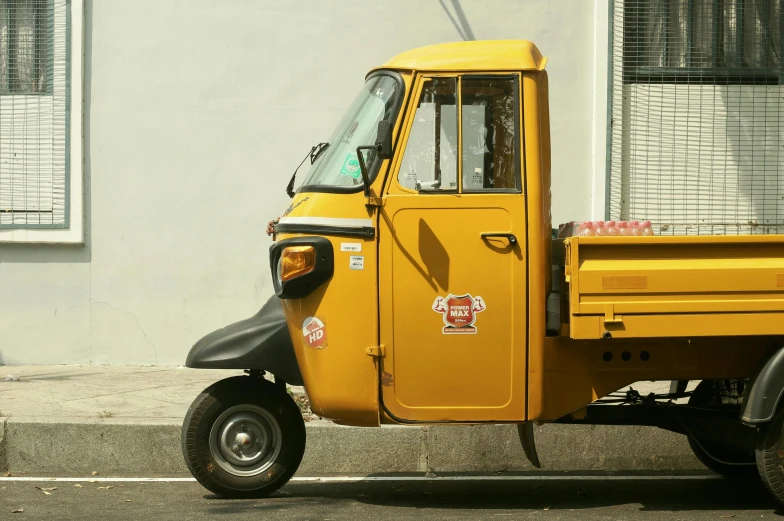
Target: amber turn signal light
<point>296,261</point>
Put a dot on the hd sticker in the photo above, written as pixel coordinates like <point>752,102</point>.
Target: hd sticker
<point>315,333</point>
<point>459,313</point>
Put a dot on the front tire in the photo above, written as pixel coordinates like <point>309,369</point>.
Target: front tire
<point>243,437</point>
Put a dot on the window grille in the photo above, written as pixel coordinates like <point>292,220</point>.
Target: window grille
<point>34,99</point>
<point>696,115</point>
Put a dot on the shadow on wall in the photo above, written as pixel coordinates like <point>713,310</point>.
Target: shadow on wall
<point>754,174</point>
<point>67,253</point>
<point>709,162</point>
<point>459,20</point>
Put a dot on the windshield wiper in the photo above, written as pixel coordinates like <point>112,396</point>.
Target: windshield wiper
<point>314,154</point>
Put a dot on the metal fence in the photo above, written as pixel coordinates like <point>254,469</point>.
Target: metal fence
<point>34,104</point>
<point>696,115</point>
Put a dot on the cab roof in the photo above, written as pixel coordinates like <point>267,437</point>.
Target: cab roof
<point>480,55</point>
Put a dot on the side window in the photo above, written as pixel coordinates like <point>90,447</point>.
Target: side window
<point>430,160</point>
<point>490,133</point>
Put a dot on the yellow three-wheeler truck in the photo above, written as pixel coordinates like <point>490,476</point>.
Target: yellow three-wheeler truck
<point>412,272</point>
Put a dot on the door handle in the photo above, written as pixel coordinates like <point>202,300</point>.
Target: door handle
<point>508,236</point>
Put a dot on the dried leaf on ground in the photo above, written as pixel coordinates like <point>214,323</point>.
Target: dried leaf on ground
<point>11,378</point>
<point>105,488</point>
<point>127,500</point>
<point>94,473</point>
<point>46,490</point>
<point>78,485</point>
<point>17,510</point>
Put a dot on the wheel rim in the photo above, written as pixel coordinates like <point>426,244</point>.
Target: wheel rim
<point>245,440</point>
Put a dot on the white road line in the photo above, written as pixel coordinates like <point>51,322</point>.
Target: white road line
<point>357,479</point>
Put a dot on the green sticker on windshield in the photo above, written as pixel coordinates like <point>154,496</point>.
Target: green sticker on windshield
<point>350,166</point>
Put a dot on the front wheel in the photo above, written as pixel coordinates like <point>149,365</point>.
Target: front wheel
<point>243,437</point>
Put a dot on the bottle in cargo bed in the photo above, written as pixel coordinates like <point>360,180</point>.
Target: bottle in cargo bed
<point>586,229</point>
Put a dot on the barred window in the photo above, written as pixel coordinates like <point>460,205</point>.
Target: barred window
<point>34,104</point>
<point>696,115</point>
<point>24,41</point>
<point>702,41</point>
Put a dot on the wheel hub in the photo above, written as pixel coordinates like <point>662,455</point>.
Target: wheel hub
<point>245,440</point>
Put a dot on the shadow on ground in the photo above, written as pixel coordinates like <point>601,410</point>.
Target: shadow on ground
<point>618,496</point>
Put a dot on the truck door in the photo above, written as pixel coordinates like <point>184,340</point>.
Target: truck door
<point>452,279</point>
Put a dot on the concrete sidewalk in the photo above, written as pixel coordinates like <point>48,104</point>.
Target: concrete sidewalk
<point>120,420</point>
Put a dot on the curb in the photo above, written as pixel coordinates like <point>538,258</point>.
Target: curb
<point>114,447</point>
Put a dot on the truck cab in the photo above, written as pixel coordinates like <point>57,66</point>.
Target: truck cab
<point>434,269</point>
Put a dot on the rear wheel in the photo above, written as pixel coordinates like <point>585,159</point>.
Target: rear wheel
<point>718,457</point>
<point>243,437</point>
<point>770,455</point>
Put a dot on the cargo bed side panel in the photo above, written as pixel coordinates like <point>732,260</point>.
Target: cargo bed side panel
<point>636,287</point>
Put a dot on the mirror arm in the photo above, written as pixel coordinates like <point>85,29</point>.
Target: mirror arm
<point>363,166</point>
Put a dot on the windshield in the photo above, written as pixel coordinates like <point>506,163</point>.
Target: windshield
<point>338,166</point>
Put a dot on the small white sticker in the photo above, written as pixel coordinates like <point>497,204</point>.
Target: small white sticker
<point>357,262</point>
<point>350,246</point>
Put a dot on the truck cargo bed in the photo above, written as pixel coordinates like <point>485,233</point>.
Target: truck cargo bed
<point>628,287</point>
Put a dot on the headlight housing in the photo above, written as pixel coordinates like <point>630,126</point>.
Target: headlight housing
<point>300,265</point>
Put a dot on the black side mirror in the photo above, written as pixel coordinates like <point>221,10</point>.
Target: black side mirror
<point>384,139</point>
<point>383,149</point>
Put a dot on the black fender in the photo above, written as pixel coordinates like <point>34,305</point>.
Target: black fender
<point>767,387</point>
<point>261,342</point>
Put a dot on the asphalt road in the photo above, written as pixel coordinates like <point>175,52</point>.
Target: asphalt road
<point>555,498</point>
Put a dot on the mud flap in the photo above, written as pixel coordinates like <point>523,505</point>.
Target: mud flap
<point>526,432</point>
<point>767,388</point>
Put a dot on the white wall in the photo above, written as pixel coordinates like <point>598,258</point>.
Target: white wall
<point>196,113</point>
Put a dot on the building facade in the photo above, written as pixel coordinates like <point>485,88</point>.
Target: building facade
<point>145,145</point>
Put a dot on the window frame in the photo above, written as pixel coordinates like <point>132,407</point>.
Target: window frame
<point>419,83</point>
<point>71,231</point>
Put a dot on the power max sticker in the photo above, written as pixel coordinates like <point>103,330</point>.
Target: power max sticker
<point>459,313</point>
<point>315,333</point>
